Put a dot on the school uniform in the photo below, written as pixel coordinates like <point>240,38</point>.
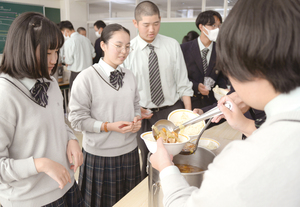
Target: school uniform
<point>111,161</point>
<point>28,131</point>
<point>193,59</point>
<point>173,76</point>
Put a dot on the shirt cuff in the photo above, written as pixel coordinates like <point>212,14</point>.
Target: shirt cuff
<point>97,126</point>
<point>170,170</point>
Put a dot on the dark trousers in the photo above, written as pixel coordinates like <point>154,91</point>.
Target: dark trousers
<point>72,78</point>
<point>146,126</point>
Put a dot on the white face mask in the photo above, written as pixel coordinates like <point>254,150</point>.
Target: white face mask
<point>97,34</point>
<point>66,37</point>
<point>212,34</point>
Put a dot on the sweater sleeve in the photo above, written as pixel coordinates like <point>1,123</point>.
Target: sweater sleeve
<point>80,105</point>
<point>12,169</point>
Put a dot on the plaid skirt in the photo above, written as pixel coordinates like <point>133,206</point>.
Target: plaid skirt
<point>103,181</point>
<point>72,198</point>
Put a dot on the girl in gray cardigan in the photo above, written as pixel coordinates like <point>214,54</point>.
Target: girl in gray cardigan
<point>36,146</point>
<point>104,97</point>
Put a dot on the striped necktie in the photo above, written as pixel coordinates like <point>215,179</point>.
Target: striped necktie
<point>116,78</point>
<point>157,96</point>
<point>204,60</point>
<point>39,92</point>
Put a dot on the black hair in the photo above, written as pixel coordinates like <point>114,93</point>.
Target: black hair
<point>207,18</point>
<point>80,29</point>
<point>260,39</point>
<point>100,24</point>
<point>191,35</point>
<point>109,30</point>
<point>145,8</point>
<point>28,32</point>
<point>66,25</point>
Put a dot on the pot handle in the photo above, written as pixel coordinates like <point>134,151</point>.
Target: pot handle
<point>157,186</point>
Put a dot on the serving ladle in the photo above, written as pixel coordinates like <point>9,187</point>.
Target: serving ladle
<point>190,148</point>
<point>168,125</point>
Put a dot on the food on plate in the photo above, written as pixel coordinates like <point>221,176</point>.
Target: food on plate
<point>166,135</point>
<point>210,145</point>
<point>183,168</point>
<point>191,129</point>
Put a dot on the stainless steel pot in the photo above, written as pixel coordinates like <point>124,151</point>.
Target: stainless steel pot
<point>202,158</point>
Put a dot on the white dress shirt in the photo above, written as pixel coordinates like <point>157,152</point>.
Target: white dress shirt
<point>201,47</point>
<point>78,52</point>
<point>173,72</point>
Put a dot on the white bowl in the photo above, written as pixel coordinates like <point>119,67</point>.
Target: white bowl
<point>208,143</point>
<point>172,148</point>
<point>219,92</point>
<point>175,117</point>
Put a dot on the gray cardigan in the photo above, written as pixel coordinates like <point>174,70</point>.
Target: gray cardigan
<point>29,131</point>
<point>94,99</point>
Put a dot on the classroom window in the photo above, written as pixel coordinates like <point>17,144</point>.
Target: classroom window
<point>185,9</point>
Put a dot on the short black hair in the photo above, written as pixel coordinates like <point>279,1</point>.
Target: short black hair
<point>109,30</point>
<point>66,25</point>
<point>191,35</point>
<point>80,29</point>
<point>261,39</point>
<point>100,24</point>
<point>28,32</point>
<point>207,18</point>
<point>145,8</point>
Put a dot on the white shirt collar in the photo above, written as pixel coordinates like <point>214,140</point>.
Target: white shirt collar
<point>27,82</point>
<point>106,68</point>
<point>283,103</point>
<point>143,44</point>
<point>201,46</point>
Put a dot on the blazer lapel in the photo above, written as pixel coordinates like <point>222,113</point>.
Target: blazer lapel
<point>212,61</point>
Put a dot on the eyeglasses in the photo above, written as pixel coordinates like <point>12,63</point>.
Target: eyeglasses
<point>119,48</point>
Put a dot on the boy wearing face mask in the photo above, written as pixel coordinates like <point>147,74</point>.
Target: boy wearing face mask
<point>98,27</point>
<point>200,59</point>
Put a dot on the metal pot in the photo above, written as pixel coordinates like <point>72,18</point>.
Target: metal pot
<point>202,158</point>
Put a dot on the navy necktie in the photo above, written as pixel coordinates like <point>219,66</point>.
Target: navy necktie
<point>39,92</point>
<point>116,78</point>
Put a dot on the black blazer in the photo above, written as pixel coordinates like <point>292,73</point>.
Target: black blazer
<point>193,61</point>
<point>98,50</point>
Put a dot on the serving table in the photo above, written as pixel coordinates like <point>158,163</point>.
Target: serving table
<point>138,197</point>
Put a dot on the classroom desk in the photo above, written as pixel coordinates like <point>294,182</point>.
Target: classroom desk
<point>138,197</point>
<point>64,87</point>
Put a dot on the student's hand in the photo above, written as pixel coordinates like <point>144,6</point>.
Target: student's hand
<point>235,117</point>
<point>161,159</point>
<point>74,154</point>
<point>202,89</point>
<point>238,101</point>
<point>53,169</point>
<point>115,126</point>
<point>145,113</point>
<point>136,124</point>
<point>198,111</point>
